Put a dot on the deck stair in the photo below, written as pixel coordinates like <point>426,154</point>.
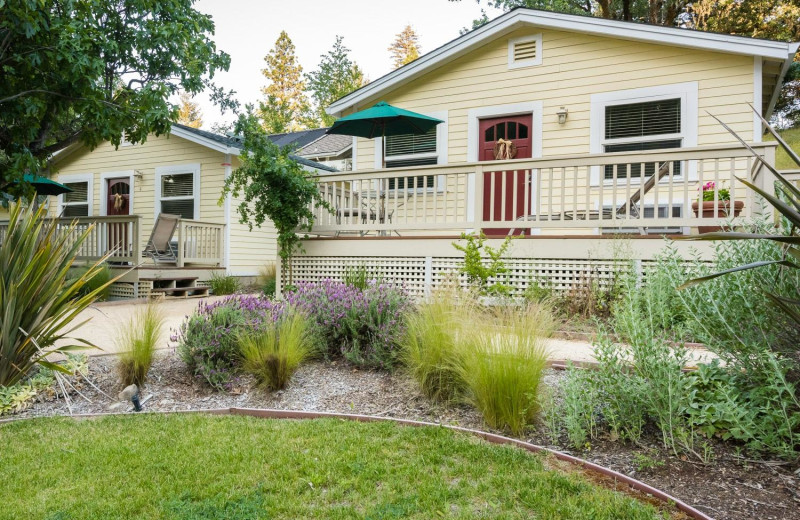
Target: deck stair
<point>176,287</point>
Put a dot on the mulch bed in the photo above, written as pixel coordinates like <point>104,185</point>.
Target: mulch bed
<point>730,487</point>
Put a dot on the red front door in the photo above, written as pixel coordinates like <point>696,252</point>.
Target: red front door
<point>500,139</point>
<point>119,197</point>
<point>118,202</point>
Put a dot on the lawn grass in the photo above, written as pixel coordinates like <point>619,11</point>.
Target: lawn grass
<point>792,138</point>
<point>213,467</point>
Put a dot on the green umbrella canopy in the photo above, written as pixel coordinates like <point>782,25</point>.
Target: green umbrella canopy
<point>381,120</point>
<point>45,186</point>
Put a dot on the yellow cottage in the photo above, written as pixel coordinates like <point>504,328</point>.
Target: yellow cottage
<point>571,130</point>
<point>122,191</point>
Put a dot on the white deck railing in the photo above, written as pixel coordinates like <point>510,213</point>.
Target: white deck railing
<point>197,242</point>
<point>588,193</point>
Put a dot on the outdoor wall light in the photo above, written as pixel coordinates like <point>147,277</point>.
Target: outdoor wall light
<point>562,115</point>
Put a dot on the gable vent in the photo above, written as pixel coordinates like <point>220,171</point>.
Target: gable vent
<point>524,51</point>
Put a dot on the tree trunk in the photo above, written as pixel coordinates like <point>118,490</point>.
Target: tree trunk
<point>604,8</point>
<point>626,10</point>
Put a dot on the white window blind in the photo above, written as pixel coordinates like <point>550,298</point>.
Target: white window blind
<point>76,202</point>
<point>643,119</point>
<point>643,126</point>
<point>177,195</point>
<point>407,150</point>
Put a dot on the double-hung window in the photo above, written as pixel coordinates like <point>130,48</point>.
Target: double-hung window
<point>407,150</point>
<point>76,202</point>
<point>634,127</point>
<point>177,190</point>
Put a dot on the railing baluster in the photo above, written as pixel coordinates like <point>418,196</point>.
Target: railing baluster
<point>716,189</point>
<point>671,174</point>
<point>574,193</point>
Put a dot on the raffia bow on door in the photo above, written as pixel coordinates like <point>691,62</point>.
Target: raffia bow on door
<point>119,201</point>
<point>504,150</point>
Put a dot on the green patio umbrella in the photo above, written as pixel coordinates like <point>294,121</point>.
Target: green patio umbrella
<point>45,186</point>
<point>381,120</point>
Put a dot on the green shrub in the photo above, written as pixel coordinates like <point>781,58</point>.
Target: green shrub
<point>365,327</point>
<point>37,301</point>
<point>20,395</point>
<point>433,343</point>
<point>208,340</point>
<point>268,280</point>
<point>222,285</point>
<point>100,282</point>
<point>137,343</point>
<point>579,409</point>
<point>503,362</point>
<point>274,351</point>
<point>360,277</point>
<point>484,275</point>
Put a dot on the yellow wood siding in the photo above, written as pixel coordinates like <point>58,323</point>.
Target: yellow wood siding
<point>574,66</point>
<point>247,249</point>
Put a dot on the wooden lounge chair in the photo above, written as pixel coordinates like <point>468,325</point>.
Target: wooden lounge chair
<point>608,213</point>
<point>159,246</point>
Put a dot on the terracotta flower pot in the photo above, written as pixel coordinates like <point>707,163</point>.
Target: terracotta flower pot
<point>724,211</point>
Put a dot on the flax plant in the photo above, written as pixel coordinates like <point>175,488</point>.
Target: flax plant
<point>38,301</point>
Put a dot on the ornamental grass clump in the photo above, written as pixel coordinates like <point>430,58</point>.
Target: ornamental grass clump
<point>433,343</point>
<point>502,364</point>
<point>208,340</point>
<point>364,326</point>
<point>137,344</point>
<point>274,351</point>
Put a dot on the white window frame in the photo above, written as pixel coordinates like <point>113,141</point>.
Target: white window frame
<point>104,177</point>
<point>88,178</point>
<point>525,63</point>
<point>440,153</point>
<point>474,116</point>
<point>688,94</point>
<point>194,169</point>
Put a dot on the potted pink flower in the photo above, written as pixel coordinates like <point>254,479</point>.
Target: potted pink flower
<point>704,206</point>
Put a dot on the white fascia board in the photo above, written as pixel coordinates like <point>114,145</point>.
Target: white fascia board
<point>208,143</point>
<point>583,24</point>
<point>779,85</point>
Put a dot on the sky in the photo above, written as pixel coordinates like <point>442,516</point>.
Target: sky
<point>247,30</point>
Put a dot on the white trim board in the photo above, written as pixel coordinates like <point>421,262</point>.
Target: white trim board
<point>442,138</point>
<point>226,260</point>
<point>194,169</point>
<point>757,101</point>
<point>686,92</point>
<point>474,115</point>
<point>104,177</point>
<point>520,18</point>
<point>88,178</point>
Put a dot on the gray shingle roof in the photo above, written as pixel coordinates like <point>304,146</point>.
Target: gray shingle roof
<point>299,139</point>
<point>332,144</point>
<point>236,142</point>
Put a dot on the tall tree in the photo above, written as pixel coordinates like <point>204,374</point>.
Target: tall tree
<point>405,47</point>
<point>90,70</point>
<point>189,112</point>
<point>285,107</point>
<point>660,12</point>
<point>336,76</point>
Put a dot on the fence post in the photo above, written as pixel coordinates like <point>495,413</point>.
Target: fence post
<point>180,244</point>
<point>637,269</point>
<point>428,287</point>
<point>278,276</point>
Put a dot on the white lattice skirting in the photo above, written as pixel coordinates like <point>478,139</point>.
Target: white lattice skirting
<point>420,275</point>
